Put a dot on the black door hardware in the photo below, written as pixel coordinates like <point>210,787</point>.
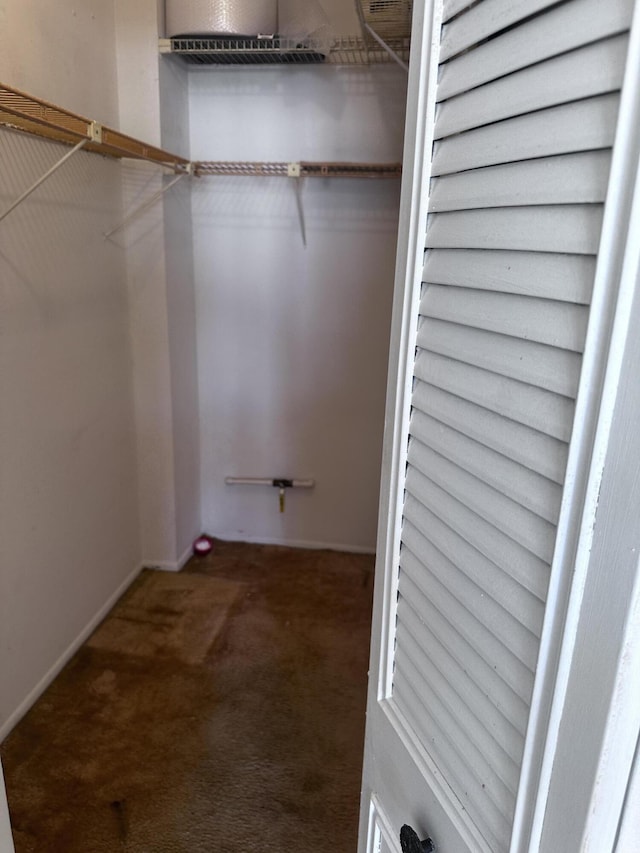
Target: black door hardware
<point>411,843</point>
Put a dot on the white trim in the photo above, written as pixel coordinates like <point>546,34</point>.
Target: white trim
<point>66,656</point>
<point>374,836</point>
<point>590,440</point>
<point>614,773</point>
<point>628,840</point>
<point>381,828</point>
<point>414,209</point>
<point>167,566</point>
<point>301,543</point>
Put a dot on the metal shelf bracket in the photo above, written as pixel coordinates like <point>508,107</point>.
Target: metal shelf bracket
<point>294,170</point>
<point>392,53</point>
<point>303,226</point>
<point>25,195</point>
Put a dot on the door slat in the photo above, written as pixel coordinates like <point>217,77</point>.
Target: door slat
<point>453,7</point>
<point>484,20</point>
<point>460,725</point>
<point>541,453</point>
<point>571,228</point>
<point>558,324</point>
<point>581,73</point>
<point>439,609</point>
<point>491,623</point>
<point>582,126</point>
<point>538,494</point>
<point>561,29</point>
<point>529,531</point>
<point>541,410</point>
<point>513,560</point>
<point>566,179</point>
<point>566,278</point>
<point>536,364</point>
<point>495,737</point>
<point>453,752</point>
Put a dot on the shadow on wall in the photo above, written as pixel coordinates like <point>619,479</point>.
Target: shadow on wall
<point>319,113</point>
<point>355,205</point>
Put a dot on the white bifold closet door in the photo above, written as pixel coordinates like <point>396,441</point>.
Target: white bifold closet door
<point>518,156</point>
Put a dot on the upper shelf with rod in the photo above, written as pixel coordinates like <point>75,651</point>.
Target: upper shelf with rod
<point>25,113</point>
<point>22,112</point>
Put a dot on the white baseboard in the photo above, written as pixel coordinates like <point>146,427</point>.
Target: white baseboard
<point>164,566</point>
<point>66,656</point>
<point>299,543</point>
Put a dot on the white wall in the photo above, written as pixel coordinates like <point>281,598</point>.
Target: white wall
<point>68,490</point>
<point>63,52</point>
<point>154,106</point>
<point>98,422</point>
<point>293,341</point>
<point>342,16</point>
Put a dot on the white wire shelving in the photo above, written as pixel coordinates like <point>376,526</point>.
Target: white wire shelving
<point>25,113</point>
<point>276,50</point>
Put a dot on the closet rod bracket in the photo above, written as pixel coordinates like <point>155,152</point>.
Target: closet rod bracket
<point>25,195</point>
<point>383,44</point>
<point>95,132</point>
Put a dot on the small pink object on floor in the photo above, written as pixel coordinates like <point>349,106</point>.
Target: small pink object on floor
<point>202,546</point>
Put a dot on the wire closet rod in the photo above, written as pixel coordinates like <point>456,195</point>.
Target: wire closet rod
<point>303,169</point>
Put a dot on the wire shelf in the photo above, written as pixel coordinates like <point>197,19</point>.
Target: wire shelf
<point>277,50</point>
<point>20,111</point>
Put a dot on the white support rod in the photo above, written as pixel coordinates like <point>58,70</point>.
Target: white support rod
<point>383,44</point>
<point>266,481</point>
<point>44,178</point>
<point>144,206</point>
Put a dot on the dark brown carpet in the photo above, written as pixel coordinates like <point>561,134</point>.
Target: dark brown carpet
<point>219,710</point>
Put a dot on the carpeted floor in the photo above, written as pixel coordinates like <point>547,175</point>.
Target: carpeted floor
<point>218,710</point>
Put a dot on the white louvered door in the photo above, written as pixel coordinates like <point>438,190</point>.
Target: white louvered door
<point>507,166</point>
